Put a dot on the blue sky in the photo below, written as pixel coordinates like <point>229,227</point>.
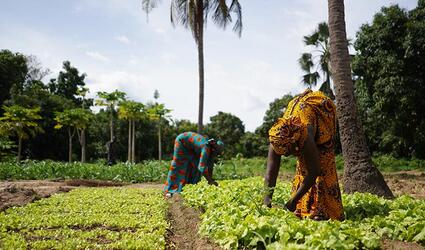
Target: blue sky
<point>114,44</point>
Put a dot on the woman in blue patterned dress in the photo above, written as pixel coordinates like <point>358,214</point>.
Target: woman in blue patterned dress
<point>193,158</point>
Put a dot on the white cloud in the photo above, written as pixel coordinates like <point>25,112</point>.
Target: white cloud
<point>123,39</point>
<point>135,85</point>
<point>97,56</point>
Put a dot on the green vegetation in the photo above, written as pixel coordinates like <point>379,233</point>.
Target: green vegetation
<point>39,170</point>
<point>107,218</point>
<point>233,218</point>
<point>156,171</point>
<point>389,70</point>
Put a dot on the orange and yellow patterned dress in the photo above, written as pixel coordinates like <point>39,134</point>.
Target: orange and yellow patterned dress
<point>313,109</point>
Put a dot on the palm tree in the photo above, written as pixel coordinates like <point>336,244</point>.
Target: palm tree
<point>359,172</point>
<point>317,60</point>
<point>131,111</point>
<point>22,122</point>
<point>76,120</point>
<point>193,15</point>
<point>110,100</point>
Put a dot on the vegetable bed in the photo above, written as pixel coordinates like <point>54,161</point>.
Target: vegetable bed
<point>235,218</point>
<point>106,218</point>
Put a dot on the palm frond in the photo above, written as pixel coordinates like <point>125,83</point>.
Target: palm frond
<point>236,8</point>
<point>148,5</point>
<point>323,32</point>
<point>306,62</point>
<point>310,79</point>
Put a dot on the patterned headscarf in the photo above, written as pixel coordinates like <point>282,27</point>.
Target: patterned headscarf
<point>285,132</point>
<point>218,145</point>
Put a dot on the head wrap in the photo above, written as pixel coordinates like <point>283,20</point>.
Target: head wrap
<point>285,132</point>
<point>218,145</point>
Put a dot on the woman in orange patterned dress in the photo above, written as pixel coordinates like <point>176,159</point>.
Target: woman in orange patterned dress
<point>307,130</point>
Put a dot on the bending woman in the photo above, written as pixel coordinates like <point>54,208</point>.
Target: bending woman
<point>193,158</point>
<point>307,130</point>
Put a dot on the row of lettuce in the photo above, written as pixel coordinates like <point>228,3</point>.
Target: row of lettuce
<point>88,218</point>
<point>234,219</point>
<point>152,171</point>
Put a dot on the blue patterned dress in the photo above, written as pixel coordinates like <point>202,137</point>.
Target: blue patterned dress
<point>191,161</point>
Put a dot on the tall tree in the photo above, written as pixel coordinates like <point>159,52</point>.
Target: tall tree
<point>110,100</point>
<point>158,112</point>
<point>228,128</point>
<point>22,122</point>
<point>193,15</point>
<point>390,80</point>
<point>359,172</point>
<point>76,120</point>
<point>131,111</point>
<point>316,63</point>
<point>68,83</point>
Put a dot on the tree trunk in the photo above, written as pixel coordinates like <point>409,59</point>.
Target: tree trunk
<point>18,157</point>
<point>111,122</point>
<point>83,146</point>
<point>326,87</point>
<point>200,43</point>
<point>129,141</point>
<point>159,140</point>
<point>70,135</point>
<point>133,147</point>
<point>359,172</point>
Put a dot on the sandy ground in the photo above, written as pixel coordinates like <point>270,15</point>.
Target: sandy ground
<point>183,233</point>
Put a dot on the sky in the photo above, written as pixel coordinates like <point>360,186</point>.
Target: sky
<point>119,47</point>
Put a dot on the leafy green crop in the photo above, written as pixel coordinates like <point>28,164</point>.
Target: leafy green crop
<point>107,218</point>
<point>235,218</point>
<point>39,170</point>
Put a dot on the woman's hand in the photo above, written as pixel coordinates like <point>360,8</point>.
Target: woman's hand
<point>267,201</point>
<point>213,182</point>
<point>291,205</point>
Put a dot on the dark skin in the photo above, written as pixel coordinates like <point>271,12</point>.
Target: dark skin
<point>208,175</point>
<point>311,156</point>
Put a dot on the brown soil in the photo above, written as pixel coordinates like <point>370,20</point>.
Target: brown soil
<point>183,233</point>
<point>407,182</point>
<point>18,193</point>
<point>400,245</point>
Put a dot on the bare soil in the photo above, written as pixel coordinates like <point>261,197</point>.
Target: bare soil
<point>18,193</point>
<point>183,233</point>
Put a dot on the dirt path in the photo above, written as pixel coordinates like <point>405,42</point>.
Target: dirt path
<point>183,233</point>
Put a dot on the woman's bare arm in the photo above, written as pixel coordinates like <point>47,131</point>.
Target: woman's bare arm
<point>273,165</point>
<point>311,157</point>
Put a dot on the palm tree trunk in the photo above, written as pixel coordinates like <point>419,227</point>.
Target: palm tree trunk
<point>159,141</point>
<point>129,141</point>
<point>111,122</point>
<point>359,172</point>
<point>83,146</point>
<point>133,147</point>
<point>18,157</point>
<point>69,145</point>
<point>200,42</point>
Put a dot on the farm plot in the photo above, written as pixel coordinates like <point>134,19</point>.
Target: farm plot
<point>105,218</point>
<point>234,218</point>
